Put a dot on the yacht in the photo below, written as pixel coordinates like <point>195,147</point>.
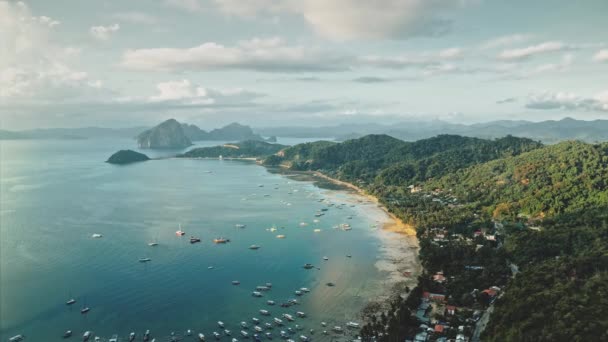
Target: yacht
<point>256,294</point>
<point>85,310</point>
<point>86,336</point>
<point>317,230</point>
<point>194,239</point>
<point>201,337</point>
<point>284,334</point>
<point>258,328</point>
<point>96,236</point>
<point>325,258</point>
<point>268,335</point>
<point>144,259</point>
<point>323,324</point>
<point>227,332</point>
<point>153,244</point>
<point>235,340</point>
<point>353,325</point>
<point>298,293</point>
<point>255,320</point>
<point>220,324</point>
<point>268,325</point>
<point>131,337</point>
<point>254,247</point>
<point>268,285</point>
<point>262,288</point>
<point>338,329</point>
<point>180,232</point>
<point>71,301</point>
<point>280,236</point>
<point>303,338</point>
<point>265,312</point>
<point>67,334</point>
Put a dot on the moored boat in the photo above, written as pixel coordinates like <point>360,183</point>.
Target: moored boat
<point>256,294</point>
<point>147,335</point>
<point>86,336</point>
<point>308,266</point>
<point>254,247</point>
<point>220,240</point>
<point>201,337</point>
<point>216,335</point>
<point>220,324</point>
<point>301,314</point>
<point>145,259</point>
<point>67,334</point>
<point>265,312</point>
<point>71,301</point>
<point>270,302</point>
<point>180,232</point>
<point>353,325</point>
<point>236,282</point>
<point>194,239</point>
<point>132,337</point>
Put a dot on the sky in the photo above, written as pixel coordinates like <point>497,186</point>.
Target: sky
<point>122,63</point>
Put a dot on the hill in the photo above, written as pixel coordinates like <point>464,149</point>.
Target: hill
<point>168,134</point>
<point>231,132</point>
<point>244,149</point>
<point>123,157</point>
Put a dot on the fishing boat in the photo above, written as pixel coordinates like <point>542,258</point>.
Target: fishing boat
<point>270,302</point>
<point>300,314</point>
<point>71,301</point>
<point>220,324</point>
<point>308,266</point>
<point>201,337</point>
<point>144,259</point>
<point>220,240</point>
<point>353,325</point>
<point>254,247</point>
<point>194,239</point>
<point>256,294</point>
<point>86,336</point>
<point>132,337</point>
<point>67,334</point>
<point>264,312</point>
<point>180,232</point>
<point>96,236</point>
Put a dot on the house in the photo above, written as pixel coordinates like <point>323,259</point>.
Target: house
<point>450,310</point>
<point>439,277</point>
<point>460,338</point>
<point>490,292</point>
<point>491,237</point>
<point>477,233</point>
<point>436,297</point>
<point>439,328</point>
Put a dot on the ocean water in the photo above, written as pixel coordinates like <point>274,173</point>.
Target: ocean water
<point>55,194</point>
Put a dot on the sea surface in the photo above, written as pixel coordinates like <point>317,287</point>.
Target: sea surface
<point>54,195</point>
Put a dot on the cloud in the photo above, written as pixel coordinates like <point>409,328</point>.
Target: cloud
<point>504,41</point>
<point>188,5</point>
<point>357,19</point>
<point>135,17</point>
<point>601,56</point>
<point>451,53</point>
<point>372,79</point>
<point>267,55</point>
<point>568,101</point>
<point>104,32</point>
<point>507,100</point>
<point>532,50</point>
<point>185,92</point>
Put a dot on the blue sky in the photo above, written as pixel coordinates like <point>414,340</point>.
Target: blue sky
<point>73,63</point>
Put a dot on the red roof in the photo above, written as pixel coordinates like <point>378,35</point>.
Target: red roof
<point>490,292</point>
<point>439,328</point>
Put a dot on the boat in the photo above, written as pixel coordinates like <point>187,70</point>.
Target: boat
<point>258,328</point>
<point>96,236</point>
<point>114,338</point>
<point>300,314</point>
<point>180,232</point>
<point>270,302</point>
<point>227,332</point>
<point>97,339</point>
<point>153,244</point>
<point>254,247</point>
<point>86,336</point>
<point>325,258</point>
<point>353,325</point>
<point>244,334</point>
<point>284,334</point>
<point>288,317</point>
<point>268,285</point>
<point>255,320</point>
<point>67,334</point>
<point>262,288</point>
<point>220,324</point>
<point>236,282</point>
<point>317,230</point>
<point>71,301</point>
<point>349,256</point>
<point>330,284</point>
<point>273,229</point>
<point>216,335</point>
<point>268,325</point>
<point>308,266</point>
<point>144,259</point>
<point>337,329</point>
<point>278,321</point>
<point>323,324</point>
<point>305,289</point>
<point>265,312</point>
<point>268,335</point>
<point>85,310</point>
<point>132,336</point>
<point>293,301</point>
<point>280,236</point>
<point>256,294</point>
<point>201,337</point>
<point>194,239</point>
<point>220,240</point>
<point>244,325</point>
<point>235,340</point>
<point>303,338</point>
<point>147,335</point>
<point>240,225</point>
<point>298,293</point>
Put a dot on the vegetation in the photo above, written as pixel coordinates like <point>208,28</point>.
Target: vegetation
<point>244,149</point>
<point>126,157</point>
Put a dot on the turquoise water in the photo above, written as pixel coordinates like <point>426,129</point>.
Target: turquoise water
<point>56,194</point>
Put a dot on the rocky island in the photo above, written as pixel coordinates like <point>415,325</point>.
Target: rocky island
<point>123,157</point>
<point>167,135</point>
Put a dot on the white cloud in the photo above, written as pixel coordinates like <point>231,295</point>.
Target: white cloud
<point>188,5</point>
<point>532,50</point>
<point>135,17</point>
<point>504,41</point>
<point>44,20</point>
<point>568,101</point>
<point>601,56</point>
<point>104,32</point>
<point>269,55</point>
<point>357,19</point>
<point>451,53</point>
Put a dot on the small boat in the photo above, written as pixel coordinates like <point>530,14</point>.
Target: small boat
<point>201,337</point>
<point>85,310</point>
<point>240,225</point>
<point>265,312</point>
<point>132,336</point>
<point>325,258</point>
<point>337,329</point>
<point>278,321</point>
<point>220,240</point>
<point>305,289</point>
<point>280,236</point>
<point>255,320</point>
<point>244,334</point>
<point>67,334</point>
<point>194,239</point>
<point>317,230</point>
<point>97,339</point>
<point>220,324</point>
<point>308,266</point>
<point>303,338</point>
<point>270,302</point>
<point>268,335</point>
<point>235,340</point>
<point>284,334</point>
<point>254,247</point>
<point>323,324</point>
<point>227,332</point>
<point>330,284</point>
<point>144,259</point>
<point>289,330</point>
<point>298,293</point>
<point>293,301</point>
<point>70,302</point>
<point>244,325</point>
<point>349,256</point>
<point>96,236</point>
<point>216,335</point>
<point>262,288</point>
<point>288,317</point>
<point>256,294</point>
<point>210,267</point>
<point>86,336</point>
<point>147,335</point>
<point>16,338</point>
<point>353,325</point>
<point>236,282</point>
<point>153,244</point>
<point>300,314</point>
<point>268,325</point>
<point>180,232</point>
<point>114,338</point>
<point>258,328</point>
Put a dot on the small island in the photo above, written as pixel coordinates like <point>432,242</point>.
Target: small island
<point>124,157</point>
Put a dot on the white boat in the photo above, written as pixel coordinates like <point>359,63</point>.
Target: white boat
<point>278,321</point>
<point>298,293</point>
<point>132,336</point>
<point>244,334</point>
<point>235,340</point>
<point>85,337</point>
<point>280,236</point>
<point>67,334</point>
<point>270,302</point>
<point>258,328</point>
<point>303,338</point>
<point>317,230</point>
<point>256,294</point>
<point>255,320</point>
<point>144,259</point>
<point>305,289</point>
<point>220,324</point>
<point>337,329</point>
<point>254,247</point>
<point>216,335</point>
<point>96,236</point>
<point>180,232</point>
<point>227,332</point>
<point>352,325</point>
<point>300,314</point>
<point>268,325</point>
<point>323,324</point>
<point>16,338</point>
<point>236,282</point>
<point>262,288</point>
<point>244,325</point>
<point>265,312</point>
<point>71,301</point>
<point>288,317</point>
<point>238,225</point>
<point>268,335</point>
<point>114,338</point>
<point>268,285</point>
<point>147,335</point>
<point>201,337</point>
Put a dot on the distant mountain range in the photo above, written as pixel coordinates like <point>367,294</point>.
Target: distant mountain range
<point>71,133</point>
<point>546,131</point>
